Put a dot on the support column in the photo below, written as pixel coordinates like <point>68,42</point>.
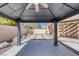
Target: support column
<point>55,34</point>
<point>18,34</point>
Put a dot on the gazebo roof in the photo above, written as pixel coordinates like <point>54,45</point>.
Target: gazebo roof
<point>55,11</point>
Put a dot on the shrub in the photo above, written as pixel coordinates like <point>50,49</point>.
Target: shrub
<point>6,21</point>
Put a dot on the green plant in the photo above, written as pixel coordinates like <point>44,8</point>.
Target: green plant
<point>6,21</point>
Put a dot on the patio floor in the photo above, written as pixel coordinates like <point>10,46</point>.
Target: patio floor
<point>42,45</point>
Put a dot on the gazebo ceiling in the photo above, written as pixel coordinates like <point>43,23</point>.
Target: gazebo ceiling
<point>55,11</point>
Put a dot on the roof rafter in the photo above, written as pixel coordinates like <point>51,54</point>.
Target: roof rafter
<point>70,6</point>
<point>55,18</point>
<point>3,15</point>
<point>23,11</point>
<point>3,5</point>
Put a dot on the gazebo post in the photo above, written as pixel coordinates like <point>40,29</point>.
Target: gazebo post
<point>55,34</point>
<point>18,34</point>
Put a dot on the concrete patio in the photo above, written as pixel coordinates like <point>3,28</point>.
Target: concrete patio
<point>39,45</point>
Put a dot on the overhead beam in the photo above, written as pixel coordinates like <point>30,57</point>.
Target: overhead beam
<point>6,16</point>
<point>37,21</point>
<point>11,8</point>
<point>70,6</point>
<point>69,15</point>
<point>16,10</point>
<point>23,10</point>
<point>51,13</point>
<point>3,5</point>
<point>73,20</point>
<point>76,11</point>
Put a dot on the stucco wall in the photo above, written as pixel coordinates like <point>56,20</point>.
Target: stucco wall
<point>7,32</point>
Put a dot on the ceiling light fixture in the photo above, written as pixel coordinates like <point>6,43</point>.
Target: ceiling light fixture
<point>36,5</point>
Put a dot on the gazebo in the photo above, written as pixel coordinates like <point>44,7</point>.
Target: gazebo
<point>54,13</point>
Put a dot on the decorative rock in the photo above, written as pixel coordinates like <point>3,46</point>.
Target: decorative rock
<point>15,40</point>
<point>4,45</point>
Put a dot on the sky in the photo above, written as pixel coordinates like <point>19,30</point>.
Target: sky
<point>42,24</point>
